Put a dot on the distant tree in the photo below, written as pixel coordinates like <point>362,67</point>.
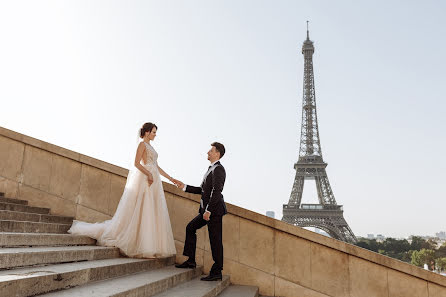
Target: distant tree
<point>374,245</point>
<point>416,259</point>
<point>428,257</point>
<point>441,264</point>
<point>418,243</point>
<point>431,244</point>
<point>418,252</point>
<point>364,244</point>
<point>441,251</point>
<point>395,246</point>
<point>425,256</point>
<point>370,244</point>
<point>406,256</point>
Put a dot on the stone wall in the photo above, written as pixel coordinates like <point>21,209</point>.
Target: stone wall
<point>69,183</point>
<point>282,260</point>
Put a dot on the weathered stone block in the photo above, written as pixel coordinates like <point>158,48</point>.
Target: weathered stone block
<point>290,289</point>
<point>367,279</point>
<point>231,237</point>
<point>11,158</point>
<point>256,245</point>
<point>9,187</point>
<point>244,275</point>
<point>296,268</point>
<point>117,184</point>
<point>329,271</point>
<point>403,285</point>
<point>37,168</point>
<point>95,189</point>
<point>39,198</point>
<point>65,178</point>
<point>90,215</point>
<point>436,290</point>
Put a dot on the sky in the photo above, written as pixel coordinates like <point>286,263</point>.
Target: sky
<point>85,75</point>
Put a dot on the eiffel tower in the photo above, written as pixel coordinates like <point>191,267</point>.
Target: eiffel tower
<point>327,215</point>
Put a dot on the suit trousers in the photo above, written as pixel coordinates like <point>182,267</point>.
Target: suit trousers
<point>215,239</point>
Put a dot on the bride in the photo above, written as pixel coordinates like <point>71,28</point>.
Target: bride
<point>141,225</point>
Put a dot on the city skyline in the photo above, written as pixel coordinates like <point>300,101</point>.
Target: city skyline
<point>86,75</point>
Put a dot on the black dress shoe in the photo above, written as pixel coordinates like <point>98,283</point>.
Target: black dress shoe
<point>186,264</point>
<point>212,277</point>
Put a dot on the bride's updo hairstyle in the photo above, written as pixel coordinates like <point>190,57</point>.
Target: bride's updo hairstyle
<point>147,127</point>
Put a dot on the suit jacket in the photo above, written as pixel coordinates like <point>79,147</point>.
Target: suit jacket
<point>210,190</point>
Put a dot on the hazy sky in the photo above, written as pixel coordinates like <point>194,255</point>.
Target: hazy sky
<point>85,75</point>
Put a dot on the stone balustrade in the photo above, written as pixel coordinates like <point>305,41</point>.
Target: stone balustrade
<point>281,259</point>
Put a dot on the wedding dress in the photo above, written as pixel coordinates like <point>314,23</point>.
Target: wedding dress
<point>141,225</point>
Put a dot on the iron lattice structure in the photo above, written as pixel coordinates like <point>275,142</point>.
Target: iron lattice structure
<point>326,215</point>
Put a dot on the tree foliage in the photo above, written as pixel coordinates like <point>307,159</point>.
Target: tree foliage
<point>422,257</point>
<point>441,264</point>
<point>418,252</point>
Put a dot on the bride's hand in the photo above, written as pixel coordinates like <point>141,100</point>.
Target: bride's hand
<point>150,180</point>
<point>175,181</point>
<point>179,184</point>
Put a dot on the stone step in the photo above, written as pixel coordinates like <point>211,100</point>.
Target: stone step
<point>140,284</point>
<point>33,217</point>
<point>17,257</point>
<point>38,280</point>
<point>197,288</point>
<point>13,239</point>
<point>13,200</point>
<point>240,291</point>
<point>33,227</point>
<point>23,208</point>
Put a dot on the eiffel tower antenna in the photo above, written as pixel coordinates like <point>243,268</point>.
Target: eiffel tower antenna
<point>308,32</point>
<point>326,215</point>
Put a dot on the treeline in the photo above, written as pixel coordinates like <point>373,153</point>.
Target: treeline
<point>417,252</point>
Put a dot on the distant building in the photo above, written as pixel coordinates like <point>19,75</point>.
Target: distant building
<point>441,235</point>
<point>370,236</point>
<point>380,237</point>
<point>270,214</point>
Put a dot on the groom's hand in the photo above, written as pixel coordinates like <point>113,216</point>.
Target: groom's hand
<point>206,215</point>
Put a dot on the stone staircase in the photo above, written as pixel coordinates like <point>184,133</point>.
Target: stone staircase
<point>39,258</point>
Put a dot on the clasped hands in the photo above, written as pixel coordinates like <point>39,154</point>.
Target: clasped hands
<point>180,185</point>
<point>177,183</point>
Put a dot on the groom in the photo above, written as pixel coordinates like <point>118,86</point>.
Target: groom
<point>212,209</point>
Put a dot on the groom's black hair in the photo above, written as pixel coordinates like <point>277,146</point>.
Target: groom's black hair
<point>219,147</point>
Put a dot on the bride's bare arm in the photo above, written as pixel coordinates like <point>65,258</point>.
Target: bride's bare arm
<point>163,173</point>
<point>139,153</point>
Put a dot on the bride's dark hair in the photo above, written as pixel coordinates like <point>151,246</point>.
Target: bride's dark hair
<point>147,127</point>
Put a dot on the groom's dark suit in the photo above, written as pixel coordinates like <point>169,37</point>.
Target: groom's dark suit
<point>212,201</point>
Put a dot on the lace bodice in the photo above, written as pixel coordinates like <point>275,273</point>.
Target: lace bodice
<point>152,155</point>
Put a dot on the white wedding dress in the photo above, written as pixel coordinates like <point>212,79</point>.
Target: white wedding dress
<point>141,226</point>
